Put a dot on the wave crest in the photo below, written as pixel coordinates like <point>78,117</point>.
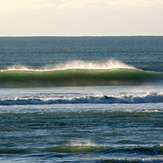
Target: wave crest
<point>77,146</point>
<point>75,64</point>
<point>104,65</point>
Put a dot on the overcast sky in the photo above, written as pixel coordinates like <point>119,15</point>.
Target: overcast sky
<point>81,17</point>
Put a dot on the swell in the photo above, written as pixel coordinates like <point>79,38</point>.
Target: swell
<point>129,149</point>
<point>77,77</point>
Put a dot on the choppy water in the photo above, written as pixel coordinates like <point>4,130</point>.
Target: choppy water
<point>81,99</point>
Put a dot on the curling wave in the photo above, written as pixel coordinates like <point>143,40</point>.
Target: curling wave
<point>77,73</point>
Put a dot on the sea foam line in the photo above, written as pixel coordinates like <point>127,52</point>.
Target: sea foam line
<point>89,99</point>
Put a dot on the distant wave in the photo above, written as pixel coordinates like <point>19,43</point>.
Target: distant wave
<point>84,148</point>
<point>77,73</point>
<point>91,99</point>
<point>77,146</point>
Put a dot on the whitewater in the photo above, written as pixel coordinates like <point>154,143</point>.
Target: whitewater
<point>76,64</point>
<point>80,99</point>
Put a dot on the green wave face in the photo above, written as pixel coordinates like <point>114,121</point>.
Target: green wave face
<point>76,77</point>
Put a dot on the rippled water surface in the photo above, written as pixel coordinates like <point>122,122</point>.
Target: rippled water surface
<point>81,99</point>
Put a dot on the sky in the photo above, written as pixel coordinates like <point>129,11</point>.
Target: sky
<point>81,17</point>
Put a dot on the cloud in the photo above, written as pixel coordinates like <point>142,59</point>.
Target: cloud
<point>78,3</point>
<point>16,5</point>
<point>140,3</point>
<point>110,3</point>
<point>10,5</point>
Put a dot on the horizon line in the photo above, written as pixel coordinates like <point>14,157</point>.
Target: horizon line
<point>81,36</point>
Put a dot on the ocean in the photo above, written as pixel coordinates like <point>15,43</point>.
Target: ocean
<point>81,99</point>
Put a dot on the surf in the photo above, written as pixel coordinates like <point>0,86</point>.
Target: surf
<point>122,98</point>
<point>77,73</point>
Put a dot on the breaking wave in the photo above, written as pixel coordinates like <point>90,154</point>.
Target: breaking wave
<point>88,99</point>
<point>77,146</point>
<point>77,73</point>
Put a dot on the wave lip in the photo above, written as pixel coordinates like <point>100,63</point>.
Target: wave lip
<point>75,65</point>
<point>94,65</point>
<point>89,99</point>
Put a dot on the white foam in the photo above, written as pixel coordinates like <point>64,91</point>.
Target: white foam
<point>81,143</point>
<point>129,98</point>
<point>76,64</point>
<point>109,64</point>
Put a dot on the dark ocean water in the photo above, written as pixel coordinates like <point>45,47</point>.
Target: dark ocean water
<point>143,52</point>
<point>81,99</point>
